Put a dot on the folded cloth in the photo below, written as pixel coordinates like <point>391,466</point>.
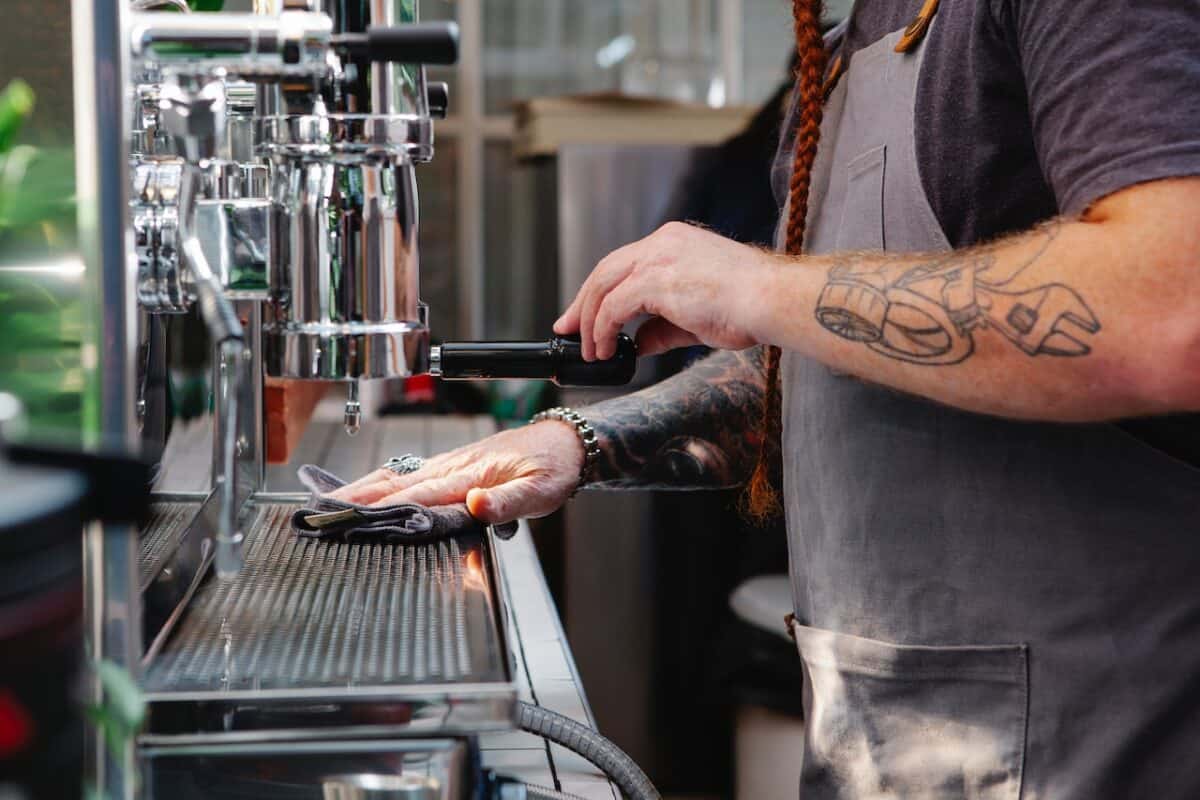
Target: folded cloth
<point>404,523</point>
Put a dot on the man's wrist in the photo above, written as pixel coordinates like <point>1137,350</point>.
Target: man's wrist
<point>585,435</point>
<point>758,297</point>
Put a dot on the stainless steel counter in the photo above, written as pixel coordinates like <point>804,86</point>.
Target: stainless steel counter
<point>545,672</point>
<point>546,676</point>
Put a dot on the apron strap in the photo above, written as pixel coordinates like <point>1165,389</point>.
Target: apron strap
<point>917,29</point>
<point>835,73</point>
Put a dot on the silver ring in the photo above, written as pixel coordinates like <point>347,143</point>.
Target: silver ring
<point>404,464</point>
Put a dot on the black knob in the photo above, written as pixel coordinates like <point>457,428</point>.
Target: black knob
<point>413,43</point>
<point>438,95</point>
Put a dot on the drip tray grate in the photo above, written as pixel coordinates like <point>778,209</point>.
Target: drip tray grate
<point>304,613</point>
<point>164,525</point>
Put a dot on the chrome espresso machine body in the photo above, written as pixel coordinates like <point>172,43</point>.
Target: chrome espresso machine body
<point>259,169</point>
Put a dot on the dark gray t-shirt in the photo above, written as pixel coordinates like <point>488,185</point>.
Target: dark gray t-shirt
<point>1030,108</point>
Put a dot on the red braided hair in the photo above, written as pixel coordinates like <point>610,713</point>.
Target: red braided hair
<point>762,499</point>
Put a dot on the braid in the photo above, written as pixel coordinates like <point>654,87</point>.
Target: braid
<point>762,497</point>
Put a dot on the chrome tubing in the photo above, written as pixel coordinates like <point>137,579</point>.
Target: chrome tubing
<point>226,330</point>
<point>101,108</point>
<point>229,556</point>
<point>294,42</point>
<point>196,116</point>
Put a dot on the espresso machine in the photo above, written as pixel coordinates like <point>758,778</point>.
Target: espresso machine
<point>257,170</point>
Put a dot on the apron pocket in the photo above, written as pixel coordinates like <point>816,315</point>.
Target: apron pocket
<point>862,209</point>
<point>889,721</point>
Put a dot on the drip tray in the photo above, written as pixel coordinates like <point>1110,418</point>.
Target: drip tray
<point>165,524</point>
<point>307,619</point>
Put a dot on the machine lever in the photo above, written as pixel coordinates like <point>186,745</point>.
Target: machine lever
<point>412,43</point>
<point>559,360</point>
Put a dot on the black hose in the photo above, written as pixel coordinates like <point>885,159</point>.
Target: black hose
<point>580,739</point>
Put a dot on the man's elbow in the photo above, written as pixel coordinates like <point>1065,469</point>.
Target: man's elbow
<point>1163,371</point>
<point>1153,229</point>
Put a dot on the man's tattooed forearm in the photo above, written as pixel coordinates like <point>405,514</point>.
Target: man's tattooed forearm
<point>929,313</point>
<point>695,430</point>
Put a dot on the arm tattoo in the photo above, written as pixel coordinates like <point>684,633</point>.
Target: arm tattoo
<point>930,313</point>
<point>695,430</point>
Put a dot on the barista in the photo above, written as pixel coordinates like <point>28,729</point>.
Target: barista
<point>987,353</point>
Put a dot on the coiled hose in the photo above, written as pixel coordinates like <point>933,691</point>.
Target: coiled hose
<point>580,739</point>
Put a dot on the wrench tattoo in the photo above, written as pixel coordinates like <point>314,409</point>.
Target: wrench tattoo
<point>929,313</point>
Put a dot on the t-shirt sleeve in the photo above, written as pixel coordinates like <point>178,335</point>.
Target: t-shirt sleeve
<point>1113,90</point>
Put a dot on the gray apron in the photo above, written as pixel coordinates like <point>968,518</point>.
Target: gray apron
<point>985,608</point>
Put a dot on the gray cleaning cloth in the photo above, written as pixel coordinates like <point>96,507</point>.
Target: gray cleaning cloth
<point>405,523</point>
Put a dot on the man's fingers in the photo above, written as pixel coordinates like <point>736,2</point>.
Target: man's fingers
<point>376,485</point>
<point>589,299</point>
<point>507,502</point>
<point>368,488</point>
<point>610,272</point>
<point>390,484</point>
<point>433,492</point>
<point>569,321</point>
<point>658,335</point>
<point>623,303</point>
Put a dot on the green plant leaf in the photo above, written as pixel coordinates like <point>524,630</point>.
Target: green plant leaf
<point>123,700</point>
<point>111,730</point>
<point>16,104</point>
<point>36,186</point>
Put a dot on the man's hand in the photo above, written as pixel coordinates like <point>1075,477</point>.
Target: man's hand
<point>524,472</point>
<point>700,288</point>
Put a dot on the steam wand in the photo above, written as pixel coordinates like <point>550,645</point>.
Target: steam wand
<point>196,116</point>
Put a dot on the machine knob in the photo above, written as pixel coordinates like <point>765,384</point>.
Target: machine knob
<point>412,43</point>
<point>438,95</point>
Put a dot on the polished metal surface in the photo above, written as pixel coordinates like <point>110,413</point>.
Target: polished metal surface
<point>333,135</point>
<point>100,81</point>
<point>307,614</point>
<point>236,237</point>
<point>339,252</point>
<point>234,164</point>
<point>294,42</point>
<point>230,540</point>
<point>366,785</point>
<point>343,352</point>
<point>392,89</point>
<point>344,283</point>
<point>232,222</point>
<point>162,285</point>
<point>344,288</point>
<point>414,769</point>
<point>239,143</point>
